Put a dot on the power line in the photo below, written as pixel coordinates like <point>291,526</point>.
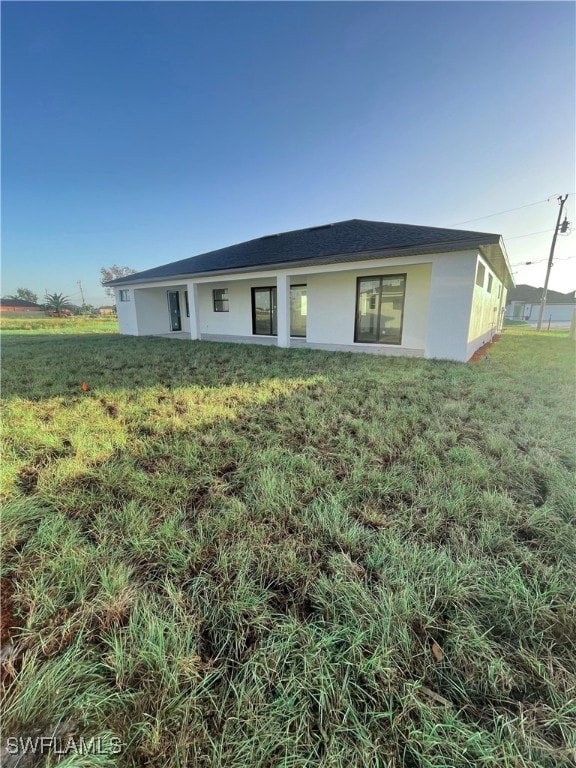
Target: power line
<point>539,261</point>
<point>516,237</point>
<point>509,210</point>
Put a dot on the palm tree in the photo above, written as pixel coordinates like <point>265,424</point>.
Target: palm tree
<point>56,302</point>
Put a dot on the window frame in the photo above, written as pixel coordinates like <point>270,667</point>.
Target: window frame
<point>124,294</point>
<point>490,282</point>
<point>298,335</point>
<point>480,270</point>
<point>223,301</point>
<point>272,289</point>
<point>404,276</point>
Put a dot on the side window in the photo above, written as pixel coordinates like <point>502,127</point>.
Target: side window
<point>480,274</point>
<point>490,281</point>
<point>124,295</point>
<point>220,298</point>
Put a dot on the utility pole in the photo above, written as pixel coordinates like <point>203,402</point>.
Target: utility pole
<point>82,293</point>
<point>561,200</point>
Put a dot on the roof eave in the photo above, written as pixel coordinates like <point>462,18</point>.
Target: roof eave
<point>498,249</point>
<point>319,260</point>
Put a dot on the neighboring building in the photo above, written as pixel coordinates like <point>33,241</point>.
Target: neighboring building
<point>20,308</point>
<point>524,304</point>
<point>367,286</point>
<point>106,310</point>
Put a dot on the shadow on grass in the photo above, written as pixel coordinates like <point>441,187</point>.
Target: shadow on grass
<point>43,366</point>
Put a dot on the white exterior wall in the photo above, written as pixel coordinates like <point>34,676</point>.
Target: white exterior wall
<point>451,290</point>
<point>332,307</point>
<point>556,313</point>
<point>152,310</point>
<point>238,320</point>
<point>445,316</point>
<point>486,313</point>
<point>126,311</point>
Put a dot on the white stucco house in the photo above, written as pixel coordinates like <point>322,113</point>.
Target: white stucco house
<point>523,303</point>
<point>368,286</point>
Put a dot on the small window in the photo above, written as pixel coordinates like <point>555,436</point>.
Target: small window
<point>499,291</point>
<point>124,295</point>
<point>187,305</point>
<point>220,296</point>
<point>480,273</point>
<point>490,281</point>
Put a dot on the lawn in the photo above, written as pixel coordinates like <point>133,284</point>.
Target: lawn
<point>241,556</point>
<point>58,325</point>
<point>510,323</point>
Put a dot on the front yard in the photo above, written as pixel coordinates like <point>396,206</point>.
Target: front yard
<point>243,556</point>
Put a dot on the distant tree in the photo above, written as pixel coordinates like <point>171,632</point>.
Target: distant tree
<point>24,294</point>
<point>56,302</point>
<point>112,273</point>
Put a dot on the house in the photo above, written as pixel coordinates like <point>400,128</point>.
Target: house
<point>523,303</point>
<point>368,286</point>
<point>20,308</point>
<point>109,310</point>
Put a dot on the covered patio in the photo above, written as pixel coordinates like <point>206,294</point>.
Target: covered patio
<point>342,309</point>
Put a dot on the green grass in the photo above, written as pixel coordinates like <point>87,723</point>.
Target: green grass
<point>510,323</point>
<point>59,325</point>
<point>243,556</point>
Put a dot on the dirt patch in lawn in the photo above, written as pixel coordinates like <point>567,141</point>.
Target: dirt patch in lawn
<point>479,355</point>
<point>8,624</point>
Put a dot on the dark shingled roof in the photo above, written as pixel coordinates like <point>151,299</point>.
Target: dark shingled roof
<point>22,303</point>
<point>343,241</point>
<point>532,295</point>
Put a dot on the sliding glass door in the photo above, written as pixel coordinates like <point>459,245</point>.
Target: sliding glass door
<point>380,309</point>
<point>264,311</point>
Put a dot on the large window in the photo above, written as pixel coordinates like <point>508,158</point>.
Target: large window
<point>298,310</point>
<point>220,297</point>
<point>380,309</point>
<point>264,312</point>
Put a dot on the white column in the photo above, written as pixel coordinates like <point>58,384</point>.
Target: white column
<point>283,309</point>
<point>193,307</point>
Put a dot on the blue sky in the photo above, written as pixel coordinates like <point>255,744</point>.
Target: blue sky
<point>141,133</point>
